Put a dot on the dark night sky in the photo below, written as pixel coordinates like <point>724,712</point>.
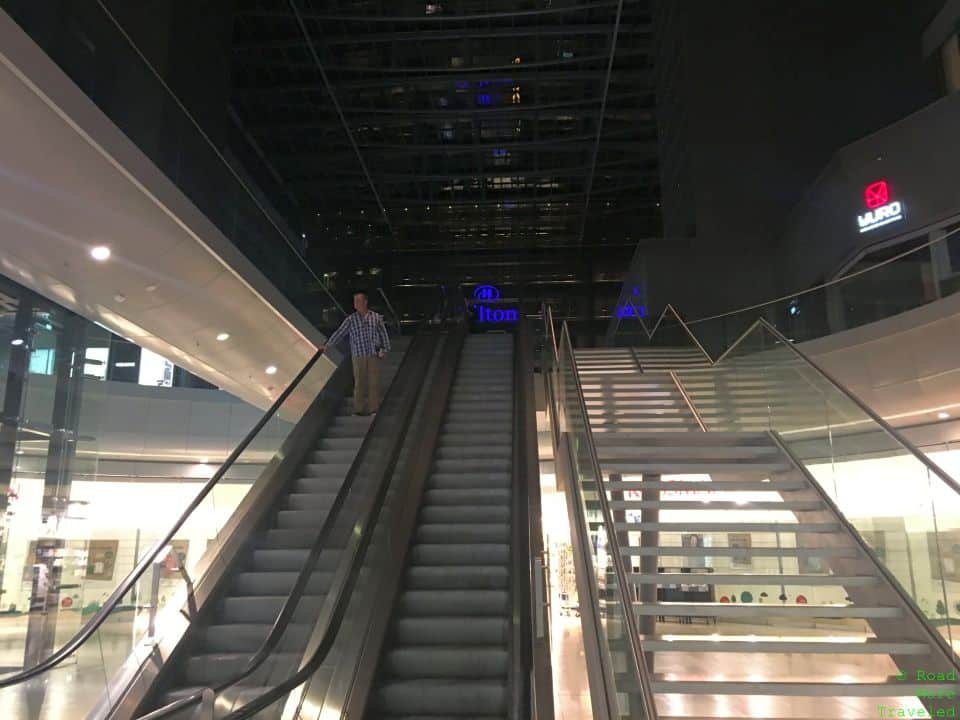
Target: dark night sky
<point>773,90</point>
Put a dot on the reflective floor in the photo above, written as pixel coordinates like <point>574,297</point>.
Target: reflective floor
<point>69,691</point>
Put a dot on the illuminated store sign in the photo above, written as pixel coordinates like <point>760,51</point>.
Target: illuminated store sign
<point>486,292</point>
<point>880,209</point>
<point>491,315</point>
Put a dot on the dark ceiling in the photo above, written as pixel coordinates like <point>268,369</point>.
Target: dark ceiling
<point>459,141</point>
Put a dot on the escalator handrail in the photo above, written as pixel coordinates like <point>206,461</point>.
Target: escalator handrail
<point>889,429</point>
<point>300,585</point>
<point>393,311</point>
<point>110,604</point>
<point>340,608</point>
<point>636,651</point>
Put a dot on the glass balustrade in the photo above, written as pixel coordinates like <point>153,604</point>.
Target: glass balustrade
<point>620,654</point>
<point>906,511</point>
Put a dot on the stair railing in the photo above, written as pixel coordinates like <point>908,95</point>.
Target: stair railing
<point>572,432</point>
<point>878,438</point>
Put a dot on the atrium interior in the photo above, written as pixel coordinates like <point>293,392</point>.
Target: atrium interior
<point>475,359</point>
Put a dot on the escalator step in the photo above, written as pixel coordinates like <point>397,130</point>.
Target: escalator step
<point>474,452</point>
<point>477,577</point>
<point>451,631</point>
<point>430,662</point>
<point>247,638</point>
<point>472,465</point>
<point>301,537</point>
<point>442,697</point>
<point>452,603</point>
<point>218,667</point>
<point>317,484</point>
<point>309,501</point>
<point>467,496</point>
<point>278,583</point>
<point>464,533</point>
<point>463,554</point>
<point>446,480</point>
<point>289,519</point>
<point>454,514</point>
<point>254,609</point>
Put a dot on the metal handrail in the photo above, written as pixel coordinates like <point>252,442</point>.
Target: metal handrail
<point>865,548</point>
<point>828,283</point>
<point>588,597</point>
<point>671,309</point>
<point>688,400</point>
<point>894,433</point>
<point>646,690</point>
<point>86,632</point>
<point>309,565</point>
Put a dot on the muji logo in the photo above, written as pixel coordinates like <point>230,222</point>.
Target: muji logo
<point>880,210</point>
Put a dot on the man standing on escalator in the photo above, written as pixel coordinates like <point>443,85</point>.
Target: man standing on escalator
<point>369,344</point>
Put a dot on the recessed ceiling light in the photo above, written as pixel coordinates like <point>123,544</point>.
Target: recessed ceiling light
<point>17,342</point>
<point>151,288</point>
<point>223,336</point>
<point>100,253</point>
<point>943,415</point>
<point>271,370</point>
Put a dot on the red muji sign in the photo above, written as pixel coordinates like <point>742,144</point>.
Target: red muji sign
<point>876,194</point>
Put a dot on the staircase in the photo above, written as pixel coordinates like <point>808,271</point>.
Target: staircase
<point>447,654</point>
<point>753,598</point>
<point>260,583</point>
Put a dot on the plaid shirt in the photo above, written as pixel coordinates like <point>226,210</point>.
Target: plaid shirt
<point>367,334</point>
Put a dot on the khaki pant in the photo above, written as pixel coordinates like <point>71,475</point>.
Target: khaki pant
<point>366,384</point>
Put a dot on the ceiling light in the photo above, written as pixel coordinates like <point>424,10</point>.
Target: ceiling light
<point>943,415</point>
<point>271,370</point>
<point>100,253</point>
<point>150,288</point>
<point>17,342</point>
<point>223,336</point>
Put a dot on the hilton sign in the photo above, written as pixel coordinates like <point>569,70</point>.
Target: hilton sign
<point>880,209</point>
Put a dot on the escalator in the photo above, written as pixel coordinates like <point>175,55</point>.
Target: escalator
<point>448,648</point>
<point>258,585</point>
<point>288,613</point>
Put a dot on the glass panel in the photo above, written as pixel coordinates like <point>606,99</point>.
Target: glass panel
<point>615,601</point>
<point>908,514</point>
<point>89,504</point>
<point>883,284</point>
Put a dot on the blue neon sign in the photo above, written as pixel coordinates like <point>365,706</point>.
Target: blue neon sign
<point>495,315</point>
<point>628,310</point>
<point>491,293</point>
<point>486,292</point>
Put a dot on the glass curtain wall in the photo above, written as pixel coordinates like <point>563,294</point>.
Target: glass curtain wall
<point>99,453</point>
